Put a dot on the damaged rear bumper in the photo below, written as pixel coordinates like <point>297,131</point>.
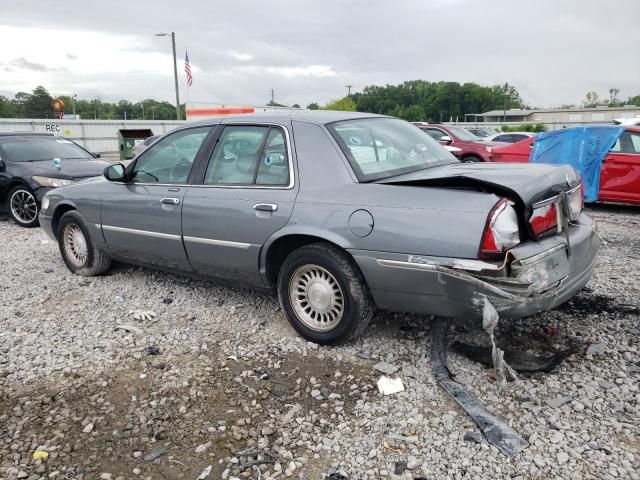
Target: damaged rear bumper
<point>536,276</point>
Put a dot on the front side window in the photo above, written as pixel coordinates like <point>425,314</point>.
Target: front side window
<point>462,134</point>
<point>435,133</point>
<point>249,155</point>
<point>35,149</point>
<point>170,159</point>
<point>384,147</point>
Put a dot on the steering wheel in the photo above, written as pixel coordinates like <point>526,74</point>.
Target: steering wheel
<point>181,170</point>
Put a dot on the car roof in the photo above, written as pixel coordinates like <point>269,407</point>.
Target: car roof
<point>318,117</point>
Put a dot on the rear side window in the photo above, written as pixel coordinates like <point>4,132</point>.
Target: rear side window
<point>516,137</point>
<point>503,138</point>
<point>249,155</point>
<point>628,143</point>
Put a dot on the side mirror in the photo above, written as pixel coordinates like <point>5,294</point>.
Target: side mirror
<point>446,139</point>
<point>114,173</point>
<point>96,155</point>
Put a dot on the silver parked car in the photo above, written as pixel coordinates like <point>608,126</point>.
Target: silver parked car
<point>339,212</point>
<point>138,148</point>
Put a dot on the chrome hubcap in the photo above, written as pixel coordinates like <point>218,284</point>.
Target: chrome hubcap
<point>75,245</point>
<point>316,298</point>
<point>23,206</point>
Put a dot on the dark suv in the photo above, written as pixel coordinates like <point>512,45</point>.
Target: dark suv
<point>32,164</point>
<point>472,148</point>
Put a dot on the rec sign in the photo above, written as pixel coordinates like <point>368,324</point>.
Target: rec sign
<point>52,128</point>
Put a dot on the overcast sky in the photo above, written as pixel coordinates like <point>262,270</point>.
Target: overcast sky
<point>553,51</point>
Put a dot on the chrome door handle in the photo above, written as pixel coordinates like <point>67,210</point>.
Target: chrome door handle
<point>265,207</point>
<point>170,201</point>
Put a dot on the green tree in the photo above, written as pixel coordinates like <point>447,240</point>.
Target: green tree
<point>613,97</point>
<point>634,100</point>
<point>38,104</point>
<point>7,108</point>
<point>345,104</point>
<point>591,100</point>
<point>313,106</point>
<point>435,101</point>
<point>414,113</point>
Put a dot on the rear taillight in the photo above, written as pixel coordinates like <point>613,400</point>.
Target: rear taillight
<point>575,202</point>
<point>544,219</point>
<point>501,231</point>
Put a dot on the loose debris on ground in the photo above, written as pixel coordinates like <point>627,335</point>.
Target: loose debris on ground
<point>232,387</point>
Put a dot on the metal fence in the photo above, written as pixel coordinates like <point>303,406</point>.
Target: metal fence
<point>101,136</point>
<point>98,136</point>
<point>496,126</point>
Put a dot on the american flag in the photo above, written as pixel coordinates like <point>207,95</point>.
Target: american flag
<point>187,69</point>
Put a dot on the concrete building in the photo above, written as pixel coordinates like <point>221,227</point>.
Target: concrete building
<point>566,116</point>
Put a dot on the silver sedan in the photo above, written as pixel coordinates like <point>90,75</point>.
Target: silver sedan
<point>340,213</point>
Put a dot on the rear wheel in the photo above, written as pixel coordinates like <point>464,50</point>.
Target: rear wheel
<point>78,251</point>
<point>324,295</point>
<point>24,207</point>
<point>471,159</point>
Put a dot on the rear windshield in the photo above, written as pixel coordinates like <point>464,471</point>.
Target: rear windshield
<point>380,148</point>
<point>35,149</point>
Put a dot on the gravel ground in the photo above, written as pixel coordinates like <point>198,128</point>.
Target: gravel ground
<point>233,386</point>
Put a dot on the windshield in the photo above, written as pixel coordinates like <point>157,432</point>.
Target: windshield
<point>384,147</point>
<point>462,134</point>
<point>35,149</point>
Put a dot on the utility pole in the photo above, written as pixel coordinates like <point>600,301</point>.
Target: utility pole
<point>272,97</point>
<point>504,112</point>
<point>175,70</point>
<point>348,87</point>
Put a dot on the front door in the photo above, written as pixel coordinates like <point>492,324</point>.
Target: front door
<point>141,218</point>
<point>620,174</point>
<point>246,194</point>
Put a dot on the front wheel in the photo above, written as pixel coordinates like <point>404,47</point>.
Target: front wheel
<point>78,251</point>
<point>24,207</point>
<point>471,159</point>
<point>324,295</point>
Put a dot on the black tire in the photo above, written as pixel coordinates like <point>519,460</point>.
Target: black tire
<point>95,262</point>
<point>471,159</point>
<point>357,305</point>
<point>23,207</point>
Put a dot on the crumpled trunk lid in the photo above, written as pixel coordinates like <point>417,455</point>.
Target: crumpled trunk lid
<point>524,183</point>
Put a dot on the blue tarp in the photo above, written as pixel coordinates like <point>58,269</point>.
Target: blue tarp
<point>583,148</point>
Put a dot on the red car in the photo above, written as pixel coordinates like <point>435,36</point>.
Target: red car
<point>472,149</point>
<point>620,174</point>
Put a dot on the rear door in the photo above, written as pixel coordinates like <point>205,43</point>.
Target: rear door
<point>620,174</point>
<point>141,218</point>
<point>245,194</point>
